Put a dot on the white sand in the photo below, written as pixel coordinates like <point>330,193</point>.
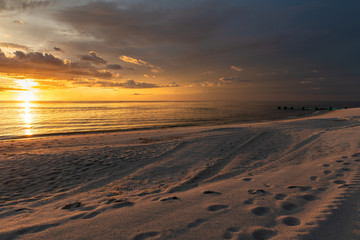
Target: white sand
<point>291,179</point>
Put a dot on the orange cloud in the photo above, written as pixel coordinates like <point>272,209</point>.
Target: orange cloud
<point>235,68</point>
<point>154,69</point>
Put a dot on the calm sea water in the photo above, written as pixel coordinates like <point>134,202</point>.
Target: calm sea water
<point>21,119</point>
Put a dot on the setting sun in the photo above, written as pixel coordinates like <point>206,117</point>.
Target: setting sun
<point>27,83</point>
<point>29,94</point>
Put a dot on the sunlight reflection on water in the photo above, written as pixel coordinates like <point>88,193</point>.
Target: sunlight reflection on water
<point>27,118</point>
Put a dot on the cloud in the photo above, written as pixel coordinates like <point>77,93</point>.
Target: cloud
<point>57,49</point>
<point>235,68</point>
<point>188,37</point>
<point>114,66</point>
<point>208,73</point>
<point>218,82</point>
<point>19,21</point>
<point>132,84</point>
<point>93,58</point>
<point>46,66</point>
<point>37,57</point>
<point>11,5</point>
<point>150,22</point>
<point>233,80</point>
<point>11,89</point>
<point>210,84</point>
<point>306,82</point>
<point>14,46</point>
<point>154,69</point>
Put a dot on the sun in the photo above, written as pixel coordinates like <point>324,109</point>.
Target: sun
<point>28,93</point>
<point>26,83</point>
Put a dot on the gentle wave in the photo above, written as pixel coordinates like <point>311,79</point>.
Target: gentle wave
<point>35,119</point>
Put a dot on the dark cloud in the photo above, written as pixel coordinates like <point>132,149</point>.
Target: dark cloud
<point>37,58</point>
<point>259,36</point>
<point>57,49</point>
<point>127,84</point>
<point>93,58</point>
<point>11,5</point>
<point>47,66</point>
<point>148,23</point>
<point>233,80</point>
<point>114,66</point>
<point>134,84</point>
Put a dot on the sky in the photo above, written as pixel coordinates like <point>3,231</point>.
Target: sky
<point>162,50</point>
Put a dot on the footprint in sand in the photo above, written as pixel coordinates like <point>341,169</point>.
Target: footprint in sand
<point>24,209</point>
<point>260,211</point>
<point>170,199</point>
<point>262,234</point>
<point>291,221</point>
<point>309,197</point>
<point>301,188</point>
<point>326,172</point>
<point>211,192</point>
<point>72,206</point>
<point>247,179</point>
<point>289,206</point>
<point>339,161</point>
<point>339,182</point>
<point>280,196</point>
<point>346,163</point>
<point>249,201</point>
<point>217,207</point>
<point>258,191</point>
<point>313,178</point>
<point>143,236</point>
<point>197,223</point>
<point>326,165</point>
<point>229,232</point>
<point>123,204</point>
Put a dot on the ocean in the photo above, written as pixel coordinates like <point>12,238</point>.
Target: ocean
<point>32,119</point>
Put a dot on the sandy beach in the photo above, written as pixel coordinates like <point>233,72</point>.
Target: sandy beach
<point>288,179</point>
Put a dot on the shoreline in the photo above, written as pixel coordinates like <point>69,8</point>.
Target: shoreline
<point>284,179</point>
<point>10,138</point>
